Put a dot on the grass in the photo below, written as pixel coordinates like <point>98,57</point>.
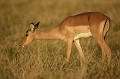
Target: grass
<point>44,59</point>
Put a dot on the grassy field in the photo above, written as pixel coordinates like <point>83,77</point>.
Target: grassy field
<point>44,59</point>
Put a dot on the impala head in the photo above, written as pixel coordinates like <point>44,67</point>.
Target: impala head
<point>29,35</point>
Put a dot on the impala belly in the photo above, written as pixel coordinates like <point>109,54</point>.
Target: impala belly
<point>84,35</point>
<point>82,31</point>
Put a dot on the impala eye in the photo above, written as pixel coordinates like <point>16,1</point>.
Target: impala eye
<point>26,35</point>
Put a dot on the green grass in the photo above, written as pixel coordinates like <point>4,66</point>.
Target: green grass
<point>44,59</point>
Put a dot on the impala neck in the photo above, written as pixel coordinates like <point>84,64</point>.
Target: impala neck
<point>51,34</point>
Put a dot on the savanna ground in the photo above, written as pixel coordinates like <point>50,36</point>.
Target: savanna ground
<point>44,59</point>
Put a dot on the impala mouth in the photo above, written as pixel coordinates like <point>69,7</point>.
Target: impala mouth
<point>21,45</point>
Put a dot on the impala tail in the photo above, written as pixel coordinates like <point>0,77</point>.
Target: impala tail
<point>106,27</point>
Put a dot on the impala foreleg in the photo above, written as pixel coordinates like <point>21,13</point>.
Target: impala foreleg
<point>78,46</point>
<point>69,47</point>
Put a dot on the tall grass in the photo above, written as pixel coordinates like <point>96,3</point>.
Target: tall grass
<point>44,59</point>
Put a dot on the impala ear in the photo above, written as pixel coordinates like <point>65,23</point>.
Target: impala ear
<point>32,26</point>
<point>36,25</point>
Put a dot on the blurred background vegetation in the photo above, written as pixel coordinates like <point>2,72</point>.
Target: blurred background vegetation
<point>44,59</point>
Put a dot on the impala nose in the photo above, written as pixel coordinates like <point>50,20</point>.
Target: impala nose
<point>20,44</point>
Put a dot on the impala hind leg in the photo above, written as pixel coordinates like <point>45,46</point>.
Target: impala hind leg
<point>78,46</point>
<point>99,34</point>
<point>105,49</point>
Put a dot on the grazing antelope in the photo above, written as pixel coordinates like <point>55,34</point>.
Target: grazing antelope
<point>72,28</point>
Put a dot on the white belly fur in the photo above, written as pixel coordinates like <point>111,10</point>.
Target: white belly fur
<point>83,35</point>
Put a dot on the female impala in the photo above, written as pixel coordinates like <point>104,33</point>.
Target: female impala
<point>72,28</point>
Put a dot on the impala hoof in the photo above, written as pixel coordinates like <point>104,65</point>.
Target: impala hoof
<point>67,60</point>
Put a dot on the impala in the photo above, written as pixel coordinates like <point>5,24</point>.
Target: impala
<point>71,29</point>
